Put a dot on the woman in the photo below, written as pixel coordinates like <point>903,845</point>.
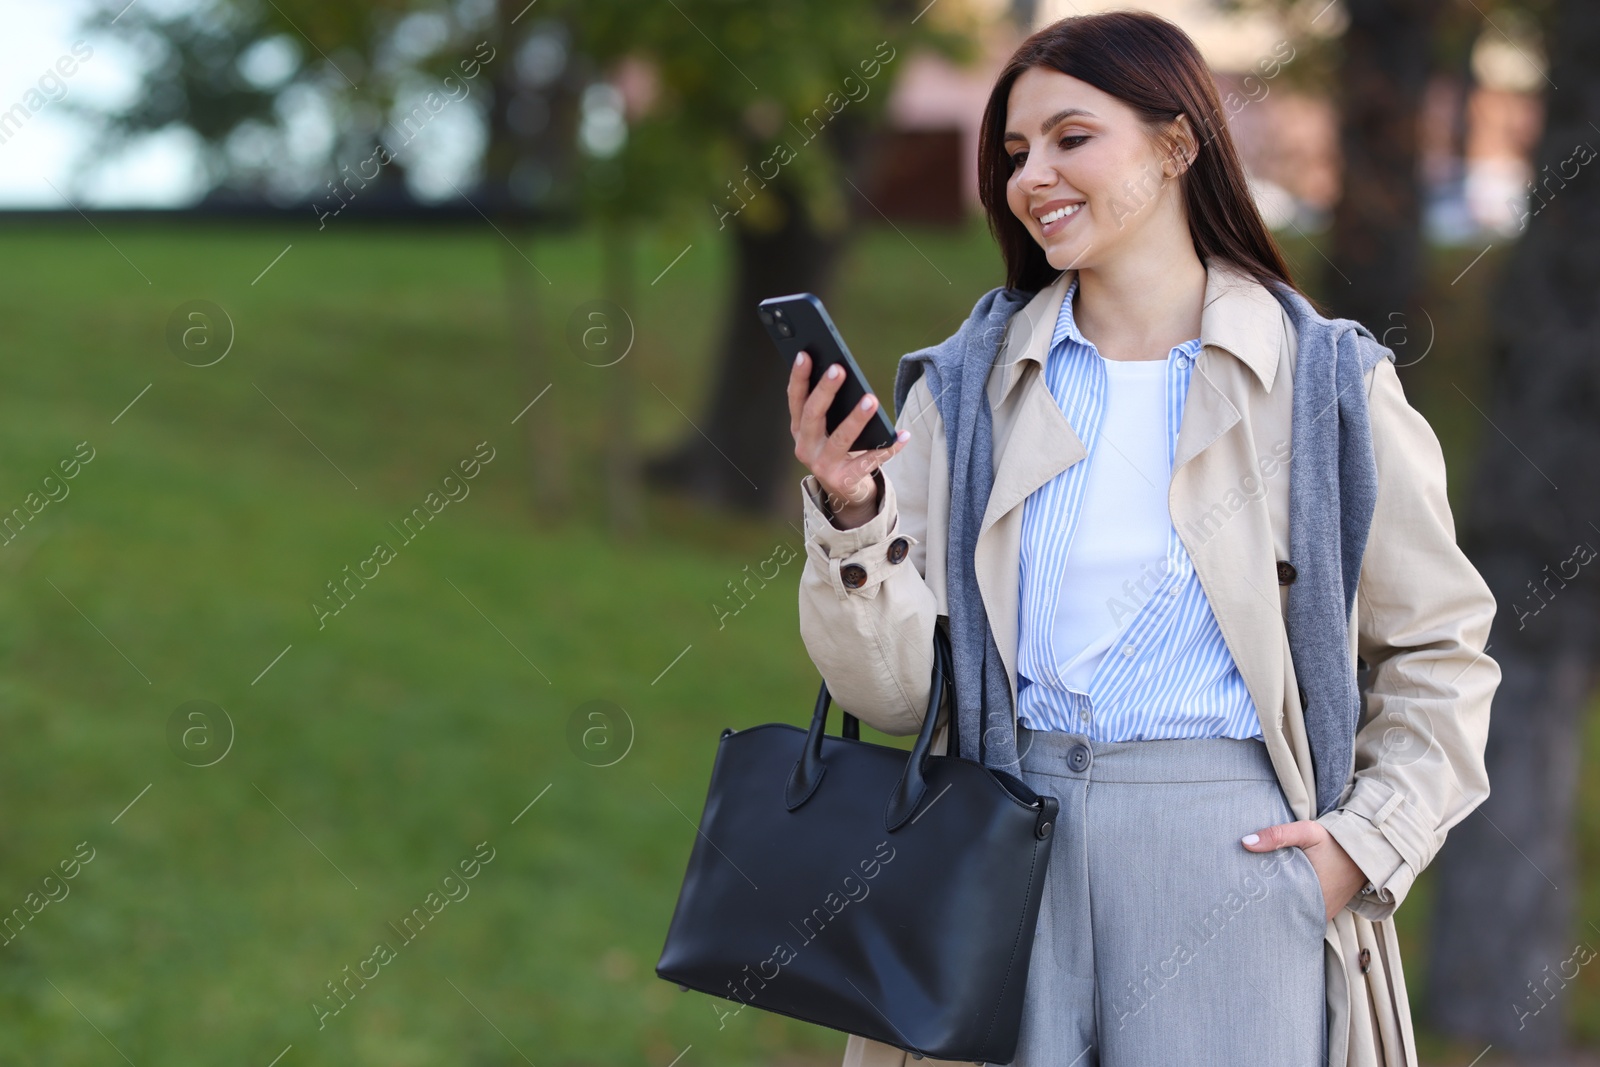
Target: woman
<point>1222,889</point>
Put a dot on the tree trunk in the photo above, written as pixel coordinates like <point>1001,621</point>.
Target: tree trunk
<point>543,159</point>
<point>743,456</point>
<point>622,458</point>
<point>1375,276</point>
<point>1503,928</point>
<point>540,425</point>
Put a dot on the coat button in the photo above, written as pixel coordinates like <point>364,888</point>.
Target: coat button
<point>898,549</point>
<point>1286,572</point>
<point>1078,757</point>
<point>1366,960</point>
<point>853,575</point>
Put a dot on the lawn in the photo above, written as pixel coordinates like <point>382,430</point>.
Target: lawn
<point>378,718</point>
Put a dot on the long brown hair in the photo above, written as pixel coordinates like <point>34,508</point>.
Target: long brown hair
<point>1152,66</point>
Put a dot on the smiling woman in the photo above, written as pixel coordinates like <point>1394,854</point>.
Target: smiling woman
<point>1103,431</point>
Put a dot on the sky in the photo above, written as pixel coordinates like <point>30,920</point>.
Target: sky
<point>45,161</point>
<point>53,158</point>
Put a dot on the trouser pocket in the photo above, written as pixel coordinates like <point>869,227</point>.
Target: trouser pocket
<point>1309,886</point>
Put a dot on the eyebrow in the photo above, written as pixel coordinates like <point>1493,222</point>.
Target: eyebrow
<point>1045,126</point>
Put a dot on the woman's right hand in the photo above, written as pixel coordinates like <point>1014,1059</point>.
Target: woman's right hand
<point>845,476</point>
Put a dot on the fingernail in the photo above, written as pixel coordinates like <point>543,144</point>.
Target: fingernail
<point>1251,839</point>
<point>798,356</point>
<point>833,371</point>
<point>905,435</point>
<point>866,402</point>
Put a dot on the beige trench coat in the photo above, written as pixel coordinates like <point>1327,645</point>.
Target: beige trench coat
<point>1420,621</point>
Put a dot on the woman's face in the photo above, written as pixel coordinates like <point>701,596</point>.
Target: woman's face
<point>1086,179</point>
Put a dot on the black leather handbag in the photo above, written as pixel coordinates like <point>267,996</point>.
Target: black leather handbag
<point>840,882</point>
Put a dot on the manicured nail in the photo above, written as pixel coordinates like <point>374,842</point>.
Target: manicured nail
<point>798,356</point>
<point>866,403</point>
<point>833,371</point>
<point>905,435</point>
<point>1251,839</point>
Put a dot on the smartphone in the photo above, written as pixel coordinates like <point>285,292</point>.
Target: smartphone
<point>801,322</point>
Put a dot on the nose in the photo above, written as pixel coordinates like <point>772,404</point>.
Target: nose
<point>1035,174</point>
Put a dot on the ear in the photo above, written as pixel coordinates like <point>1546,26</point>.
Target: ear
<point>1185,144</point>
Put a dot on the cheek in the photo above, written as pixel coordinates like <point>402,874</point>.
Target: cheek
<point>1016,200</point>
<point>1123,188</point>
<point>1092,186</point>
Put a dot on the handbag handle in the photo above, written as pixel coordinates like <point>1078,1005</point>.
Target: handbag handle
<point>907,794</point>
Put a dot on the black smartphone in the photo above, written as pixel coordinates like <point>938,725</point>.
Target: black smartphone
<point>801,322</point>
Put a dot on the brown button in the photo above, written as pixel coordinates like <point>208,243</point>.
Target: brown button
<point>853,575</point>
<point>1286,572</point>
<point>1366,960</point>
<point>898,549</point>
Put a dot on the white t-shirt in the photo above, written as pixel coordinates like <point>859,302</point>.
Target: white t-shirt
<point>1119,551</point>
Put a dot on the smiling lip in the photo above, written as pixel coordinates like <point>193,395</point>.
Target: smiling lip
<point>1050,229</point>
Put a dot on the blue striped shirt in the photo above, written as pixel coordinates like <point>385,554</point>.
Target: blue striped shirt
<point>1169,673</point>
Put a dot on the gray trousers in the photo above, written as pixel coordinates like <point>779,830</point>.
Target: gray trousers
<point>1162,940</point>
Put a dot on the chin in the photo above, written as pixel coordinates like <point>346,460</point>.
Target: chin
<point>1058,258</point>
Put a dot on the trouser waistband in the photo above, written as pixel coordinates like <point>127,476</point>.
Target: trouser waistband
<point>1187,759</point>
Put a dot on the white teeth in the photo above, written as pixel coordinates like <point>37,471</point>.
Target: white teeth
<point>1059,213</point>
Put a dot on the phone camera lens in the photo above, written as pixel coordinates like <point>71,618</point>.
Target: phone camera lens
<point>784,329</point>
<point>766,317</point>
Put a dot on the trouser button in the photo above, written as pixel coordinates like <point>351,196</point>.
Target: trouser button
<point>1078,757</point>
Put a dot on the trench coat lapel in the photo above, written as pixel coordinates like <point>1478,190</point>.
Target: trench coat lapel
<point>1231,550</point>
<point>1225,527</point>
<point>1040,444</point>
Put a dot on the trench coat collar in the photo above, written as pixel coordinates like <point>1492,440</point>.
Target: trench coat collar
<point>1239,317</point>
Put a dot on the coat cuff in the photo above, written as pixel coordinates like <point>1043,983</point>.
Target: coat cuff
<point>1359,827</point>
<point>837,542</point>
<point>871,551</point>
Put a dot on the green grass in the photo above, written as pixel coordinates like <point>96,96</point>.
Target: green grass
<point>410,727</point>
<point>425,716</point>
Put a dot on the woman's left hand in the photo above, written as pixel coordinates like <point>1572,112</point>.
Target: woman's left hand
<point>1338,873</point>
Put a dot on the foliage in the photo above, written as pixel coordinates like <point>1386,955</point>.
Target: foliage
<point>279,90</point>
<point>737,79</point>
<point>732,79</point>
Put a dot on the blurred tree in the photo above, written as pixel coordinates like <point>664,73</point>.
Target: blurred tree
<point>1504,926</point>
<point>767,160</point>
<point>297,99</point>
<point>279,96</point>
<point>1385,58</point>
<point>762,119</point>
<point>1375,68</point>
<point>532,170</point>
